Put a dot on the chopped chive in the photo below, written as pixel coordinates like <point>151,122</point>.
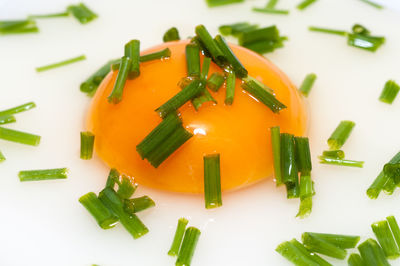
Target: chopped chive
<point>183,82</point>
<point>271,3</point>
<point>303,155</point>
<point>54,15</point>
<point>18,26</point>
<point>270,11</point>
<point>395,228</point>
<point>306,193</point>
<point>336,154</point>
<point>288,164</point>
<point>212,181</point>
<point>366,42</point>
<point>386,239</point>
<point>319,245</point>
<point>276,153</point>
<point>340,135</point>
<point>2,157</point>
<point>355,260</point>
<point>132,51</point>
<point>360,29</point>
<point>261,84</point>
<point>18,109</point>
<point>372,254</point>
<point>341,241</point>
<point>205,96</point>
<point>164,53</point>
<point>234,62</point>
<point>236,28</point>
<point>290,252</point>
<point>314,257</point>
<point>171,35</point>
<point>205,68</point>
<point>38,175</point>
<point>19,136</point>
<point>82,13</point>
<point>341,162</point>
<point>371,3</point>
<point>266,46</point>
<point>100,213</point>
<point>138,204</point>
<point>180,231</point>
<point>261,40</point>
<point>6,119</point>
<point>209,43</point>
<point>307,84</point>
<point>193,60</point>
<point>87,141</point>
<point>389,92</point>
<point>230,87</point>
<point>214,3</point>
<point>329,31</point>
<point>188,246</point>
<point>113,178</point>
<point>304,4</point>
<point>391,184</point>
<point>90,85</point>
<point>262,95</point>
<point>124,69</point>
<point>62,63</point>
<point>127,187</point>
<point>215,81</point>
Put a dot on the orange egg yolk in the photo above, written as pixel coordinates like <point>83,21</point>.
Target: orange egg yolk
<point>239,132</point>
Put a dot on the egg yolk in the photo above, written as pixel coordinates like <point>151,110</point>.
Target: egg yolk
<point>238,132</point>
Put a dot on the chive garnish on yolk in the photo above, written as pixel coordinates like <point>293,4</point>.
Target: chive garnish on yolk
<point>132,51</point>
<point>340,135</point>
<point>212,181</point>
<point>372,253</point>
<point>124,70</point>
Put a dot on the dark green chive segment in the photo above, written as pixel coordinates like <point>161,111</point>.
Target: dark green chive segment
<point>340,162</point>
<point>54,15</point>
<point>215,81</point>
<point>303,160</point>
<point>113,178</point>
<point>386,239</point>
<point>214,3</point>
<point>236,28</point>
<point>288,164</point>
<point>100,213</point>
<point>261,40</point>
<point>372,254</point>
<point>132,51</point>
<point>335,154</point>
<point>307,84</point>
<point>205,68</point>
<point>188,246</point>
<point>171,35</point>
<point>19,136</point>
<point>395,228</point>
<point>230,57</point>
<point>18,27</point>
<point>373,4</point>
<point>303,155</point>
<point>340,135</point>
<point>329,31</point>
<point>82,13</point>
<point>162,54</point>
<point>139,204</point>
<point>389,92</point>
<point>276,153</point>
<point>270,10</point>
<point>306,3</point>
<point>193,60</point>
<point>2,157</point>
<point>230,87</point>
<point>123,72</point>
<point>18,109</point>
<point>90,85</point>
<point>62,63</point>
<point>204,96</point>
<point>341,241</point>
<point>131,222</point>
<point>87,141</point>
<point>126,187</point>
<point>319,245</point>
<point>212,181</point>
<point>297,256</point>
<point>209,44</point>
<point>47,174</point>
<point>180,231</point>
<point>355,260</point>
<point>6,119</point>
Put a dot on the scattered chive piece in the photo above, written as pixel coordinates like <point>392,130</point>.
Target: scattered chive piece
<point>193,60</point>
<point>342,162</point>
<point>371,3</point>
<point>306,193</point>
<point>276,152</point>
<point>38,175</point>
<point>113,178</point>
<point>303,5</point>
<point>230,87</point>
<point>329,31</point>
<point>215,81</point>
<point>171,35</point>
<point>205,68</point>
<point>212,181</point>
<point>62,63</point>
<point>124,69</point>
<point>131,222</point>
<point>236,28</point>
<point>341,241</point>
<point>126,188</point>
<point>96,208</point>
<point>389,92</point>
<point>54,15</point>
<point>271,11</point>
<point>336,154</point>
<point>82,13</point>
<point>372,254</point>
<point>214,3</point>
<point>307,84</point>
<point>138,204</point>
<point>340,135</point>
<point>290,252</point>
<point>2,157</point>
<point>188,246</point>
<point>90,85</point>
<point>314,257</point>
<point>164,53</point>
<point>393,178</point>
<point>395,228</point>
<point>6,119</point>
<point>288,164</point>
<point>18,26</point>
<point>355,260</point>
<point>87,141</point>
<point>132,51</point>
<point>319,245</point>
<point>360,29</point>
<point>303,155</point>
<point>204,96</point>
<point>19,136</point>
<point>386,239</point>
<point>209,43</point>
<point>366,42</point>
<point>261,40</point>
<point>18,109</point>
<point>303,161</point>
<point>271,3</point>
<point>180,231</point>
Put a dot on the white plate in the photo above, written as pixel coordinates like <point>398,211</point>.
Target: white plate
<point>43,224</point>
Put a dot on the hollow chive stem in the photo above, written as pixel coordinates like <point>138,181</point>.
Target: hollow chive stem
<point>212,181</point>
<point>126,187</point>
<point>288,164</point>
<point>209,43</point>
<point>306,193</point>
<point>269,34</point>
<point>307,84</point>
<point>271,3</point>
<point>138,204</point>
<point>61,63</point>
<point>124,69</point>
<point>389,92</point>
<point>329,31</point>
<point>236,28</point>
<point>193,60</point>
<point>386,239</point>
<point>18,109</point>
<point>276,153</point>
<point>132,51</point>
<point>214,3</point>
<point>341,162</point>
<point>341,241</point>
<point>270,11</point>
<point>18,27</point>
<point>355,260</point>
<point>82,13</point>
<point>100,213</point>
<point>6,119</point>
<point>373,4</point>
<point>164,53</point>
<point>131,222</point>
<point>314,257</point>
<point>336,154</point>
<point>47,174</point>
<point>19,136</point>
<point>372,254</point>
<point>303,155</point>
<point>366,42</point>
<point>180,231</point>
<point>230,87</point>
<point>188,246</point>
<point>319,245</point>
<point>171,34</point>
<point>215,81</point>
<point>53,15</point>
<point>113,178</point>
<point>395,228</point>
<point>205,68</point>
<point>87,141</point>
<point>290,252</point>
<point>306,3</point>
<point>2,157</point>
<point>230,57</point>
<point>390,186</point>
<point>341,134</point>
<point>205,96</point>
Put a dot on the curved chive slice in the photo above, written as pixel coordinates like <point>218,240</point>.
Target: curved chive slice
<point>236,28</point>
<point>395,228</point>
<point>288,163</point>
<point>212,181</point>
<point>230,87</point>
<point>132,51</point>
<point>271,11</point>
<point>6,119</point>
<point>336,154</point>
<point>19,136</point>
<point>138,204</point>
<point>164,53</point>
<point>126,187</point>
<point>314,257</point>
<point>372,254</point>
<point>276,153</point>
<point>87,141</point>
<point>293,254</point>
<point>180,231</point>
<point>209,43</point>
<point>319,245</point>
<point>90,85</point>
<point>341,241</point>
<point>131,222</point>
<point>62,63</point>
<point>329,31</point>
<point>371,3</point>
<point>2,157</point>
<point>215,81</point>
<point>38,175</point>
<point>113,178</point>
<point>214,3</point>
<point>355,260</point>
<point>96,208</point>
<point>303,155</point>
<point>193,60</point>
<point>341,162</point>
<point>18,109</point>
<point>205,68</point>
<point>124,69</point>
<point>54,15</point>
<point>340,135</point>
<point>385,238</point>
<point>188,246</point>
<point>234,62</point>
<point>82,13</point>
<point>303,5</point>
<point>307,84</point>
<point>171,35</point>
<point>389,92</point>
<point>366,42</point>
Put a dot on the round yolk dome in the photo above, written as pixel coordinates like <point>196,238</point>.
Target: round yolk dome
<point>239,132</point>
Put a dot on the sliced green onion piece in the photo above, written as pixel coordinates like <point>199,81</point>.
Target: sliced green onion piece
<point>19,136</point>
<point>113,178</point>
<point>214,3</point>
<point>230,87</point>
<point>303,155</point>
<point>6,119</point>
<point>54,15</point>
<point>62,63</point>
<point>236,28</point>
<point>307,84</point>
<point>234,62</point>
<point>212,181</point>
<point>205,96</point>
<point>266,46</point>
<point>2,157</point>
<point>288,164</point>
<point>188,246</point>
<point>340,135</point>
<point>193,60</point>
<point>180,231</point>
<point>395,228</point>
<point>215,81</point>
<point>18,26</point>
<point>127,187</point>
<point>82,13</point>
<point>355,260</point>
<point>329,31</point>
<point>336,154</point>
<point>341,162</point>
<point>369,43</point>
<point>341,241</point>
<point>138,204</point>
<point>132,51</point>
<point>390,185</point>
<point>276,153</point>
<point>96,208</point>
<point>270,34</point>
<point>303,5</point>
<point>314,257</point>
<point>372,254</point>
<point>124,69</point>
<point>270,11</point>
<point>205,68</point>
<point>360,29</point>
<point>389,92</point>
<point>87,141</point>
<point>319,245</point>
<point>164,53</point>
<point>386,239</point>
<point>271,3</point>
<point>18,109</point>
<point>47,174</point>
<point>209,43</point>
<point>371,3</point>
<point>290,252</point>
<point>306,193</point>
<point>171,35</point>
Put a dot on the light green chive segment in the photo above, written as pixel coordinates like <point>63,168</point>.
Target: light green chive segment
<point>2,157</point>
<point>6,119</point>
<point>193,60</point>
<point>340,162</point>
<point>19,136</point>
<point>373,4</point>
<point>372,254</point>
<point>18,27</point>
<point>276,152</point>
<point>341,241</point>
<point>188,246</point>
<point>47,174</point>
<point>389,92</point>
<point>303,159</point>
<point>270,11</point>
<point>126,187</point>
<point>395,228</point>
<point>180,231</point>
<point>340,135</point>
<point>230,87</point>
<point>317,244</point>
<point>18,109</point>
<point>100,213</point>
<point>82,13</point>
<point>296,255</point>
<point>87,142</point>
<point>307,84</point>
<point>355,260</point>
<point>336,154</point>
<point>171,34</point>
<point>304,4</point>
<point>139,204</point>
<point>212,181</point>
<point>386,239</point>
<point>62,63</point>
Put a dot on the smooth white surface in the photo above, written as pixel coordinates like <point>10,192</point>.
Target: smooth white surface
<point>43,224</point>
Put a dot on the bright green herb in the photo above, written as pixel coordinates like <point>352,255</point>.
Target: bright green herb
<point>18,27</point>
<point>386,239</point>
<point>132,51</point>
<point>230,88</point>
<point>329,31</point>
<point>100,213</point>
<point>290,252</point>
<point>355,260</point>
<point>180,231</point>
<point>341,241</point>
<point>164,53</point>
<point>288,164</point>
<point>230,57</point>
<point>54,15</point>
<point>215,81</point>
<point>341,162</point>
<point>82,13</point>
<point>18,109</point>
<point>209,44</point>
<point>236,28</point>
<point>276,152</point>
<point>193,60</point>
<point>19,136</point>
<point>336,154</point>
<point>319,245</point>
<point>270,11</point>
<point>262,40</point>
<point>205,96</point>
<point>314,257</point>
<point>366,42</point>
<point>307,84</point>
<point>372,254</point>
<point>340,135</point>
<point>271,3</point>
<point>87,141</point>
<point>124,70</point>
<point>212,181</point>
<point>188,246</point>
<point>205,68</point>
<point>389,92</point>
<point>2,157</point>
<point>171,35</point>
<point>90,85</point>
<point>371,3</point>
<point>390,186</point>
<point>113,178</point>
<point>38,175</point>
<point>138,204</point>
<point>395,228</point>
<point>306,193</point>
<point>303,155</point>
<point>303,5</point>
<point>126,187</point>
<point>360,29</point>
<point>6,119</point>
<point>62,63</point>
<point>214,3</point>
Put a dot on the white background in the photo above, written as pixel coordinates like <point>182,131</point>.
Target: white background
<point>43,224</point>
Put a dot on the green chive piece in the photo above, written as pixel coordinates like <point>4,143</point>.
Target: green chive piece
<point>90,85</point>
<point>341,162</point>
<point>303,155</point>
<point>290,252</point>
<point>303,5</point>
<point>132,51</point>
<point>288,164</point>
<point>188,246</point>
<point>180,231</point>
<point>215,81</point>
<point>209,43</point>
<point>6,119</point>
<point>113,178</point>
<point>54,15</point>
<point>389,92</point>
<point>270,11</point>
<point>131,222</point>
<point>314,257</point>
<point>236,28</point>
<point>138,204</point>
<point>336,154</point>
<point>171,35</point>
<point>82,13</point>
<point>307,84</point>
<point>366,42</point>
<point>391,184</point>
<point>261,84</point>
<point>340,135</point>
<point>329,31</point>
<point>47,174</point>
<point>230,87</point>
<point>372,254</point>
<point>18,109</point>
<point>205,96</point>
<point>271,3</point>
<point>212,181</point>
<point>162,54</point>
<point>2,157</point>
<point>193,60</point>
<point>18,27</point>
<point>319,245</point>
<point>19,136</point>
<point>355,260</point>
<point>87,141</point>
<point>305,207</point>
<point>100,213</point>
<point>386,239</point>
<point>205,68</point>
<point>306,193</point>
<point>60,64</point>
<point>261,40</point>
<point>127,187</point>
<point>360,29</point>
<point>234,62</point>
<point>214,3</point>
<point>276,153</point>
<point>395,228</point>
<point>341,241</point>
<point>124,69</point>
<point>371,3</point>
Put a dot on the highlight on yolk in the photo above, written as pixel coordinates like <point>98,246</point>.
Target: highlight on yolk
<point>239,132</point>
